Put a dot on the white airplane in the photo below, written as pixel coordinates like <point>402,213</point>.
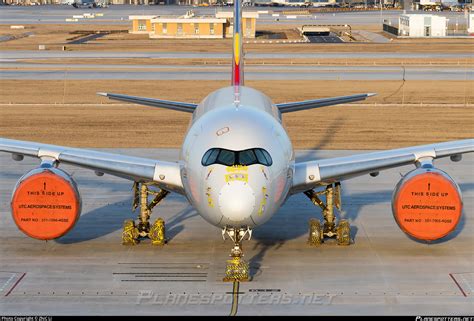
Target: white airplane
<point>237,167</point>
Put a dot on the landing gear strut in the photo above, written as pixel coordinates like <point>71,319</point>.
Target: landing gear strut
<point>132,232</point>
<point>342,231</point>
<point>237,269</point>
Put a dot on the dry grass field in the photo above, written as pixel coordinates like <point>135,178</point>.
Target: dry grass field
<point>70,112</point>
<point>84,91</point>
<point>55,36</point>
<point>46,111</point>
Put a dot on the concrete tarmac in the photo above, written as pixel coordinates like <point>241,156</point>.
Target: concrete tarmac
<point>88,271</point>
<point>15,55</point>
<point>50,14</point>
<point>251,73</point>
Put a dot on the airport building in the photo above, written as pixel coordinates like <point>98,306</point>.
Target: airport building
<point>141,24</point>
<point>190,26</point>
<point>422,25</point>
<point>249,23</point>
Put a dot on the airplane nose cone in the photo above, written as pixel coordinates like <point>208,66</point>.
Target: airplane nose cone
<point>237,201</point>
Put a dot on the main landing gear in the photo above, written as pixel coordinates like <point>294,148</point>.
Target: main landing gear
<point>237,269</point>
<point>132,232</point>
<point>317,233</point>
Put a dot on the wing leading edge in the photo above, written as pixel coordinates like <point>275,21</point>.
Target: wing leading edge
<point>168,104</point>
<point>323,102</point>
<point>165,174</point>
<point>284,108</point>
<point>311,174</point>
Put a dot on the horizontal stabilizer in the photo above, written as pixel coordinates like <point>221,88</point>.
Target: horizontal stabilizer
<point>174,105</point>
<point>323,102</point>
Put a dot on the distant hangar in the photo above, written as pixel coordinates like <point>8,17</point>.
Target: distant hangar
<point>190,26</point>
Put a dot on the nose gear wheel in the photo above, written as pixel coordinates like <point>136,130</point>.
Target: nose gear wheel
<point>237,269</point>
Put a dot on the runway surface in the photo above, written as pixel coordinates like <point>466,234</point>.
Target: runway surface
<point>225,67</point>
<point>119,15</point>
<point>88,271</point>
<point>9,55</point>
<point>39,71</point>
<point>251,73</point>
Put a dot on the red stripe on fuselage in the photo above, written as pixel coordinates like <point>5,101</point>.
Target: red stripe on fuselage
<point>236,74</point>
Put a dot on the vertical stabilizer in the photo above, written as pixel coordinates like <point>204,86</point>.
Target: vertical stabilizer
<point>237,54</point>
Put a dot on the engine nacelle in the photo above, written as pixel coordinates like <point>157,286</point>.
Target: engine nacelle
<point>427,204</point>
<point>45,203</point>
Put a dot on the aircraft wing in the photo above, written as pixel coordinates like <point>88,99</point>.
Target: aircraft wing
<point>311,174</point>
<point>165,174</point>
<point>168,104</point>
<point>323,102</point>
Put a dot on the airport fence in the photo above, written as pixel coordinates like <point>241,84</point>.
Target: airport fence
<point>325,10</point>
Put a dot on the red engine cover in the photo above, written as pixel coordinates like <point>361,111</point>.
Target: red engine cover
<point>427,204</point>
<point>46,203</point>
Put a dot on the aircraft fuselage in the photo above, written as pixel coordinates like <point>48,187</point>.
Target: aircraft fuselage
<point>236,184</point>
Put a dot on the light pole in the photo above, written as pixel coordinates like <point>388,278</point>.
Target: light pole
<point>381,6</point>
<point>350,31</point>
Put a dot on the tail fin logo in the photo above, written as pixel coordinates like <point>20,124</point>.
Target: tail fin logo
<point>237,66</point>
<point>237,48</point>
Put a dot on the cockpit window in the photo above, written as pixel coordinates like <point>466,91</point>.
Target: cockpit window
<point>247,157</point>
<point>230,158</point>
<point>226,157</point>
<point>210,156</point>
<point>263,157</point>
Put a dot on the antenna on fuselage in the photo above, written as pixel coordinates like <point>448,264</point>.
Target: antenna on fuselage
<point>236,97</point>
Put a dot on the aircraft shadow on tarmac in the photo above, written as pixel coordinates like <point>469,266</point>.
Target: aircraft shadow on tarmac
<point>175,225</point>
<point>282,227</point>
<point>109,218</point>
<point>272,235</point>
<point>289,223</point>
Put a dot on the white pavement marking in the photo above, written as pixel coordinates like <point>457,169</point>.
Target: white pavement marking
<point>8,281</point>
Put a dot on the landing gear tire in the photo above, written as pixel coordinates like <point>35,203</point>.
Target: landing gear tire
<point>130,233</point>
<point>343,233</point>
<point>315,232</point>
<point>134,231</point>
<point>157,232</point>
<point>237,269</point>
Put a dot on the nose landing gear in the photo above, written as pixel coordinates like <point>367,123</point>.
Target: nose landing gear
<point>237,269</point>
<point>132,232</point>
<point>341,231</point>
